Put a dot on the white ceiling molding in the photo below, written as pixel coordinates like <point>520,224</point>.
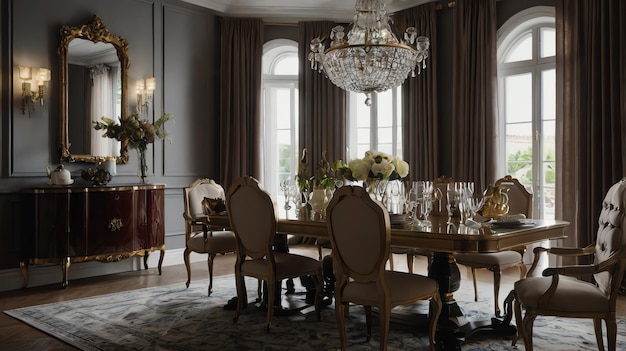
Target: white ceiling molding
<point>291,11</point>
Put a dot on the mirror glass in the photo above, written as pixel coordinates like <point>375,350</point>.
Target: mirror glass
<point>94,64</point>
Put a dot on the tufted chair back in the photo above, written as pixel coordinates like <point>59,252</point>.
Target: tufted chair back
<point>610,239</point>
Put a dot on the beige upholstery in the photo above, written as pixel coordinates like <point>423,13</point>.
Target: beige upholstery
<point>360,235</point>
<point>520,202</point>
<point>253,219</point>
<point>559,293</point>
<point>204,241</point>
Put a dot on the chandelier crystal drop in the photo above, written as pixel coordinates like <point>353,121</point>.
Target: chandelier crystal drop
<point>370,58</point>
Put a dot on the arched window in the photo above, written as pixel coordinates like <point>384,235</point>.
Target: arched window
<point>280,108</point>
<point>527,103</point>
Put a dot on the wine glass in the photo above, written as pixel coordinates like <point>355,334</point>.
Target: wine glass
<point>285,186</point>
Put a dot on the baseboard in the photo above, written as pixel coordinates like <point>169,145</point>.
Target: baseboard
<point>39,275</point>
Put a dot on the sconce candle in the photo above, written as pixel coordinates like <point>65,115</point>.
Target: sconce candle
<point>28,96</point>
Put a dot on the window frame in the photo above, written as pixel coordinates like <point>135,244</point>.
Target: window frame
<point>273,52</point>
<point>530,20</point>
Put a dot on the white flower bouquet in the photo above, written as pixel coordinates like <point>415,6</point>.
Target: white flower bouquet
<point>374,165</point>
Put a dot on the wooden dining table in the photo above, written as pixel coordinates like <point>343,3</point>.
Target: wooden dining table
<point>445,237</point>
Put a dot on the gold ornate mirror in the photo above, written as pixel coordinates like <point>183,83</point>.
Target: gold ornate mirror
<point>93,84</point>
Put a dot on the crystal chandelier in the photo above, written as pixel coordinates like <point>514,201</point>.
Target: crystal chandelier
<point>371,58</point>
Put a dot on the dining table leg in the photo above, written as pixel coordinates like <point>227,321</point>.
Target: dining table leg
<point>453,327</point>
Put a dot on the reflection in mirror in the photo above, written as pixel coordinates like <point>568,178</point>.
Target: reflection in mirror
<point>93,69</point>
<point>94,91</point>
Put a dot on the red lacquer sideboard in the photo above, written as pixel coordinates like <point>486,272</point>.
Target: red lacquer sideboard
<point>107,224</point>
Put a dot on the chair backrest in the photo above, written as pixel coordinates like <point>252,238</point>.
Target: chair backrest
<point>440,207</point>
<point>196,192</point>
<point>611,237</point>
<point>360,234</point>
<point>520,199</point>
<point>253,218</point>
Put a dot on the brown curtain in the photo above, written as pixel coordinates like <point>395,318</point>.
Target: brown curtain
<point>474,92</point>
<point>322,105</point>
<point>591,110</point>
<point>241,52</point>
<point>420,128</point>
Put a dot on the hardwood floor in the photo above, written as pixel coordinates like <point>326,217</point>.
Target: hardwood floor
<point>15,335</point>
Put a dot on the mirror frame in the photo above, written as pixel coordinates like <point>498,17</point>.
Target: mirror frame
<point>95,32</point>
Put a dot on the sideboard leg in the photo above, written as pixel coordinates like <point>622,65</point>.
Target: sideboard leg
<point>24,269</point>
<point>161,258</point>
<point>145,259</point>
<point>65,266</point>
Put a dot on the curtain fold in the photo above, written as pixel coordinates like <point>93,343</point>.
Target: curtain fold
<point>420,127</point>
<point>591,110</point>
<point>322,105</point>
<point>241,52</point>
<point>101,105</point>
<point>474,92</point>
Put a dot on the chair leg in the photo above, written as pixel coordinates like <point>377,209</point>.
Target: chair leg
<point>409,262</point>
<point>597,326</point>
<point>271,292</point>
<point>341,321</point>
<point>391,262</point>
<point>474,280</point>
<point>186,258</point>
<point>241,293</point>
<point>436,305</point>
<point>496,289</point>
<point>368,322</point>
<point>529,319</point>
<point>517,308</point>
<point>611,333</point>
<point>210,265</point>
<point>319,287</point>
<point>384,326</point>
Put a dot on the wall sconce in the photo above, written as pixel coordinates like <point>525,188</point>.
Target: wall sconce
<point>145,92</point>
<point>30,97</point>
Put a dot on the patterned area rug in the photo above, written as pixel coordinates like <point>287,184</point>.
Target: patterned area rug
<point>176,318</point>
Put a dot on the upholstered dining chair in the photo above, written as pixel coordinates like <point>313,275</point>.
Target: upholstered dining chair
<point>520,202</point>
<point>253,218</point>
<point>200,237</point>
<point>560,293</point>
<point>360,235</point>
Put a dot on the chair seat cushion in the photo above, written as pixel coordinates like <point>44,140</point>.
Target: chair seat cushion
<point>502,258</point>
<point>403,287</point>
<point>287,266</point>
<point>219,242</point>
<point>571,295</point>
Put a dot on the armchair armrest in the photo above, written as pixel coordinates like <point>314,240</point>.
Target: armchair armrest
<point>574,270</point>
<point>559,251</point>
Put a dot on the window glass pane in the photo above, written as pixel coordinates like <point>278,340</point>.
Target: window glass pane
<point>283,111</point>
<point>547,42</point>
<point>548,94</point>
<point>363,136</point>
<point>547,193</point>
<point>286,65</point>
<point>522,50</point>
<point>385,109</point>
<point>518,98</point>
<point>385,136</point>
<point>284,153</point>
<point>519,151</point>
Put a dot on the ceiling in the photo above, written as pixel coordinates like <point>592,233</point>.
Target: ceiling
<point>291,11</point>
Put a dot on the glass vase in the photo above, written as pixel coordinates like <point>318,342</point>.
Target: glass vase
<point>142,170</point>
